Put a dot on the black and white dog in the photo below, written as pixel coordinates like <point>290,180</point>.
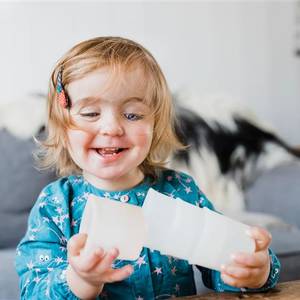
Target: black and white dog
<point>226,154</point>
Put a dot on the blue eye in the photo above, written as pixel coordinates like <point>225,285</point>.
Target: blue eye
<point>133,117</point>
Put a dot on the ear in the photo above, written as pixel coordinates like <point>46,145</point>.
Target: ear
<point>273,156</point>
<point>238,157</point>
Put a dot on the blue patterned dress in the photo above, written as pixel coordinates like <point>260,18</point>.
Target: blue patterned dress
<point>41,256</point>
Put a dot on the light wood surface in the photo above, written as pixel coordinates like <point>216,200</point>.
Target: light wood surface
<point>283,291</point>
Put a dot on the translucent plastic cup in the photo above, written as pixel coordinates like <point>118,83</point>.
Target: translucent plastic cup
<point>110,223</point>
<point>199,235</point>
<point>168,227</point>
<point>219,239</point>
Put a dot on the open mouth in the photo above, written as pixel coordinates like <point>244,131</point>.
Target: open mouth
<point>110,151</point>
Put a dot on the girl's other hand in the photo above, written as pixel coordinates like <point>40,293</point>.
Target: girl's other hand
<point>93,268</point>
<point>250,270</point>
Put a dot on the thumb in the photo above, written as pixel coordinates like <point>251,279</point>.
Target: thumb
<point>261,237</point>
<point>76,244</point>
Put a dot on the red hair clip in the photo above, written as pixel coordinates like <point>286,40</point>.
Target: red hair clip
<point>62,97</point>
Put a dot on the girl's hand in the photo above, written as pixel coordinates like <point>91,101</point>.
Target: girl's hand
<point>93,269</point>
<point>250,270</point>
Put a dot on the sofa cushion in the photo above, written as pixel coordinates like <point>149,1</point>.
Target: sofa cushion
<point>277,193</point>
<point>9,281</point>
<point>286,245</point>
<point>20,185</point>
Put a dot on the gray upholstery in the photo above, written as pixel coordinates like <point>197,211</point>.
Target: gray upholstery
<point>278,192</point>
<point>9,289</point>
<point>20,185</point>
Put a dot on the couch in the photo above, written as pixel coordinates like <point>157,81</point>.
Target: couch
<point>276,192</point>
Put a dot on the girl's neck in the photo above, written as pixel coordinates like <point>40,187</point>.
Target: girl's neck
<point>116,184</point>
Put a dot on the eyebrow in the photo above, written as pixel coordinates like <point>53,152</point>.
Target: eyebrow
<point>88,100</point>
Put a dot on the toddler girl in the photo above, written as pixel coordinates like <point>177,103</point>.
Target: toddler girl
<point>109,133</point>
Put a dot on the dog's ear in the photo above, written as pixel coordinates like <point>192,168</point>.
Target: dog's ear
<point>238,158</point>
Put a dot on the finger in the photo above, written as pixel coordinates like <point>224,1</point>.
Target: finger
<point>237,271</point>
<point>119,274</point>
<point>107,260</point>
<point>86,262</point>
<point>76,243</point>
<point>232,281</point>
<point>261,236</point>
<point>254,260</point>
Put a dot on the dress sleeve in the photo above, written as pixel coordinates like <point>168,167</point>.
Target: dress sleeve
<point>41,256</point>
<point>212,279</point>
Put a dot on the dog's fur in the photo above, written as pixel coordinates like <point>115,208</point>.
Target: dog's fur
<point>24,117</point>
<point>226,153</point>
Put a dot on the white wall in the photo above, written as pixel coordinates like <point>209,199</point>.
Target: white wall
<point>239,48</point>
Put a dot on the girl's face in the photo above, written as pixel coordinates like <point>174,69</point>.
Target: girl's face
<point>114,128</point>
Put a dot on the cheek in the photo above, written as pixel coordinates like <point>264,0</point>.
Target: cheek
<point>78,139</point>
<point>143,136</point>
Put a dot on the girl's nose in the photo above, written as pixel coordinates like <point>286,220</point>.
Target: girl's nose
<point>110,125</point>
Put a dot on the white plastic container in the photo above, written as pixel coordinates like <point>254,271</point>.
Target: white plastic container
<point>109,223</point>
<point>199,235</point>
<point>171,226</point>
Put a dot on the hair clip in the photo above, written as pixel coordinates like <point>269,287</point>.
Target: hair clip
<point>61,94</point>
